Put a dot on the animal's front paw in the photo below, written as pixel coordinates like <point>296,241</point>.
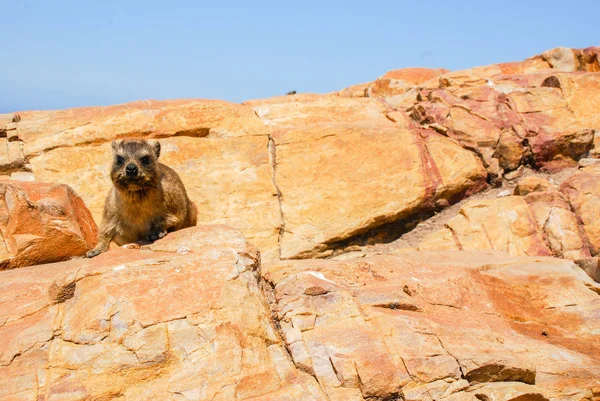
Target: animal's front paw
<point>156,235</point>
<point>93,252</point>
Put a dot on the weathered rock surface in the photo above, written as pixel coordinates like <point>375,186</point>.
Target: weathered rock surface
<point>583,192</point>
<point>437,326</point>
<point>42,223</point>
<point>195,316</point>
<point>291,171</point>
<point>545,122</point>
<point>183,319</point>
<point>229,179</point>
<point>324,174</point>
<point>540,223</point>
<point>309,109</point>
<point>398,82</point>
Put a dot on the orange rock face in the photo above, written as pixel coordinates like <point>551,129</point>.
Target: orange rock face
<point>435,325</point>
<point>189,315</point>
<point>42,223</point>
<point>371,275</point>
<point>323,175</point>
<point>583,191</point>
<point>540,223</point>
<point>183,318</point>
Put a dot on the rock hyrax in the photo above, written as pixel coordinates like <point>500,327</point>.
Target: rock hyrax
<point>147,199</point>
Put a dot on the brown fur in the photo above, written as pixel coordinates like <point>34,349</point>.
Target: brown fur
<point>147,203</point>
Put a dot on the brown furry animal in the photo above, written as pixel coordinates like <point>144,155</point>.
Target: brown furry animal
<point>147,199</point>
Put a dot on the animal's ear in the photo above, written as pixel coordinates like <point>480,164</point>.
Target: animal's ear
<point>115,145</point>
<point>156,148</point>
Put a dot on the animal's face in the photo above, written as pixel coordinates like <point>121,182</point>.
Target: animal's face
<point>135,164</point>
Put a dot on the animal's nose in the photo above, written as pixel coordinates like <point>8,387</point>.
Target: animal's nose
<point>131,170</point>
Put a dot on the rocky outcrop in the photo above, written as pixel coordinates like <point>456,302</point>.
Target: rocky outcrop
<point>291,171</point>
<point>192,316</point>
<point>324,173</point>
<point>540,219</point>
<point>583,192</point>
<point>498,302</point>
<point>42,223</point>
<point>182,319</point>
<point>436,326</point>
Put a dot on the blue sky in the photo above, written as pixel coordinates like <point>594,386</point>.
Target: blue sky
<point>59,54</point>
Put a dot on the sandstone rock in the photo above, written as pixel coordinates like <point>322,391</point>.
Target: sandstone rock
<point>515,174</point>
<point>397,82</point>
<point>308,109</point>
<point>481,75</point>
<point>558,225</point>
<point>570,60</point>
<point>561,58</point>
<point>182,319</point>
<point>42,223</point>
<point>583,193</point>
<point>591,266</point>
<point>588,162</point>
<point>43,131</point>
<point>550,122</point>
<point>541,223</point>
<point>421,323</point>
<point>358,90</point>
<point>229,180</point>
<point>533,184</point>
<point>323,174</point>
<point>504,224</point>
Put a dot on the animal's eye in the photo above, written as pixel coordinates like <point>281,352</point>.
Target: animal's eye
<point>119,160</point>
<point>145,160</point>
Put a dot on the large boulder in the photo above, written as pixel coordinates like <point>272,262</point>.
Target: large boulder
<point>304,110</point>
<point>547,120</point>
<point>540,223</point>
<point>291,172</point>
<point>337,182</point>
<point>42,223</point>
<point>583,192</point>
<point>219,149</point>
<point>443,325</point>
<point>183,319</point>
<point>246,171</point>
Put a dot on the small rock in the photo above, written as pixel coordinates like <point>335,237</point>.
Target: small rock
<point>588,162</point>
<point>504,193</point>
<point>22,176</point>
<point>515,174</point>
<point>591,266</point>
<point>42,223</point>
<point>533,184</point>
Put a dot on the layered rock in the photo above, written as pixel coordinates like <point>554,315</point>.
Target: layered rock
<point>42,223</point>
<point>185,318</point>
<point>514,120</point>
<point>219,149</point>
<point>441,326</point>
<point>583,192</point>
<point>195,316</point>
<point>338,182</point>
<point>541,223</point>
<point>288,170</point>
<point>182,319</point>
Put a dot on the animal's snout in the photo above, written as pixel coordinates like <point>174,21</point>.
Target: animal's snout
<point>131,170</point>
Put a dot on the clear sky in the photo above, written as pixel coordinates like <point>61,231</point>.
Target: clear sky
<point>58,54</point>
